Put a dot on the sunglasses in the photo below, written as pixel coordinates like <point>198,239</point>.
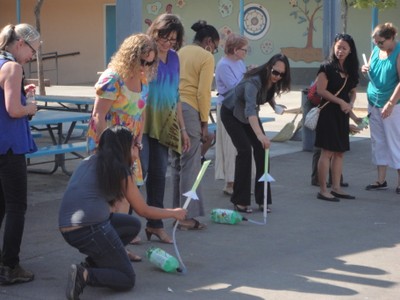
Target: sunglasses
<point>146,63</point>
<point>276,73</point>
<point>244,50</point>
<point>30,46</point>
<point>380,43</point>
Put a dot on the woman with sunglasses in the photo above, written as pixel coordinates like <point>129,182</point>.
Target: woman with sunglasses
<point>18,44</point>
<point>86,223</point>
<point>163,117</point>
<point>337,80</point>
<point>196,75</point>
<point>383,94</point>
<point>122,89</point>
<point>239,114</point>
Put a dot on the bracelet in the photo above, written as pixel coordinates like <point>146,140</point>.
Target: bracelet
<point>182,129</point>
<point>139,146</point>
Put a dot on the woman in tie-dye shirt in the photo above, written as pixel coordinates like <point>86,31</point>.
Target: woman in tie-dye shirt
<point>164,126</point>
<point>122,89</point>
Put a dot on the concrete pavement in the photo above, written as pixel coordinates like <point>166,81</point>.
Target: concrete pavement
<point>309,249</point>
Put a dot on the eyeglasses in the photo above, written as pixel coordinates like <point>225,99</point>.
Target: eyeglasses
<point>244,50</point>
<point>163,40</point>
<point>146,63</point>
<point>343,36</point>
<point>276,73</point>
<point>30,46</point>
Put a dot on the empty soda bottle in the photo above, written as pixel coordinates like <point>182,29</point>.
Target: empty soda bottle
<point>364,123</point>
<point>163,260</point>
<point>226,216</point>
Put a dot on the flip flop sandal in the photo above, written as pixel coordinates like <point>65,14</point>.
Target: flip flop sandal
<point>195,226</point>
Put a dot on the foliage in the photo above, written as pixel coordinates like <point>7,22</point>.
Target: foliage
<point>379,4</point>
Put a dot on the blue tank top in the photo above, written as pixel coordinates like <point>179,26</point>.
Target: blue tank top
<point>15,133</point>
<point>384,76</point>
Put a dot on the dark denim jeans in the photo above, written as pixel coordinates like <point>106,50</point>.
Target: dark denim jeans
<point>154,161</point>
<point>13,199</point>
<point>104,245</point>
<point>245,142</point>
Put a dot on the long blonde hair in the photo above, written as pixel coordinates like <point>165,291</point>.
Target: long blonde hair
<point>126,61</point>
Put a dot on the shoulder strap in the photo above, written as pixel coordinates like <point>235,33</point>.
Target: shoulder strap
<point>337,93</point>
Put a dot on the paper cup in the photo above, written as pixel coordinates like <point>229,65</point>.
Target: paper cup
<point>279,109</point>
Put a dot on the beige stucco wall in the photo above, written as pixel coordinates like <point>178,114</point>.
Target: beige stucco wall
<point>67,26</point>
<point>78,26</point>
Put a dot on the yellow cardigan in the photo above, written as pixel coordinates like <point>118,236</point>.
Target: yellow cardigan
<point>196,76</point>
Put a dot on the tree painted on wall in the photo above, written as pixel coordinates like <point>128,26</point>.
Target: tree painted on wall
<point>305,12</point>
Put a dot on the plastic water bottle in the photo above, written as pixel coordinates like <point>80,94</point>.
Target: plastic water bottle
<point>30,98</point>
<point>163,260</point>
<point>226,216</point>
<point>364,123</point>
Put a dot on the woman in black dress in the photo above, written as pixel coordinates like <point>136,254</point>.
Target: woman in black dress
<point>338,74</point>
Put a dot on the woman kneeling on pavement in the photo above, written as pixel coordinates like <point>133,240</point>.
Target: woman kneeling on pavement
<point>85,220</point>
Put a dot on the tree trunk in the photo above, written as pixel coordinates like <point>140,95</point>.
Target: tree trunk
<point>345,9</point>
<point>40,72</point>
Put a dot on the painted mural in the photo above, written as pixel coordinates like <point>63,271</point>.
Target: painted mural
<point>305,13</point>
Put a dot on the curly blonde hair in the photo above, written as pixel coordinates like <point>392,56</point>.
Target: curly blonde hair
<point>126,61</point>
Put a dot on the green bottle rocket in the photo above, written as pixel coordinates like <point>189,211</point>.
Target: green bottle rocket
<point>163,260</point>
<point>226,216</point>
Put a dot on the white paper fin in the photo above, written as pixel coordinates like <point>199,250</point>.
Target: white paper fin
<point>192,195</point>
<point>269,178</point>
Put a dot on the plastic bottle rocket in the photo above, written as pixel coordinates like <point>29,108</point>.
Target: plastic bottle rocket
<point>163,260</point>
<point>30,98</point>
<point>226,216</point>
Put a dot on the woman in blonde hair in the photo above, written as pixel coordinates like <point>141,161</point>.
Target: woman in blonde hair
<point>121,91</point>
<point>18,44</point>
<point>383,103</point>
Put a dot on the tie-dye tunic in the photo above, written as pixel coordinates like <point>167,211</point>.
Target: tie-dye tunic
<point>161,111</point>
<point>126,110</point>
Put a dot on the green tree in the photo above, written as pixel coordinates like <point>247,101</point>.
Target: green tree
<point>379,4</point>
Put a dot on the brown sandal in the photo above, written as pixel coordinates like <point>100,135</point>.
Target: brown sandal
<point>193,225</point>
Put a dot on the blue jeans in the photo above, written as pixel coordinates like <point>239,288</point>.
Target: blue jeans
<point>154,161</point>
<point>104,243</point>
<point>13,203</point>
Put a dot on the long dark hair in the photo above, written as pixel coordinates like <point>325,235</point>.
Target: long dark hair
<point>114,161</point>
<point>264,72</point>
<point>203,30</point>
<point>351,63</point>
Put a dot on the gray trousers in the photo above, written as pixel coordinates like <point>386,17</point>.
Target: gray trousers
<point>185,167</point>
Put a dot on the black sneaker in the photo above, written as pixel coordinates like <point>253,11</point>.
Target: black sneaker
<point>376,186</point>
<point>15,275</point>
<point>76,282</point>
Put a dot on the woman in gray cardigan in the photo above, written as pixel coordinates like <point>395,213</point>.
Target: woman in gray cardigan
<point>239,114</point>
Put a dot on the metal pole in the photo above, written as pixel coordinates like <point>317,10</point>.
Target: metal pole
<point>18,11</point>
<point>374,16</point>
<point>241,17</point>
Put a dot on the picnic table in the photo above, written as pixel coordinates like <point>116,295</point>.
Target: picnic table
<point>53,122</point>
<point>79,104</point>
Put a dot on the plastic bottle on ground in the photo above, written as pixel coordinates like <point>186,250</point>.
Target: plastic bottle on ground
<point>163,260</point>
<point>226,216</point>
